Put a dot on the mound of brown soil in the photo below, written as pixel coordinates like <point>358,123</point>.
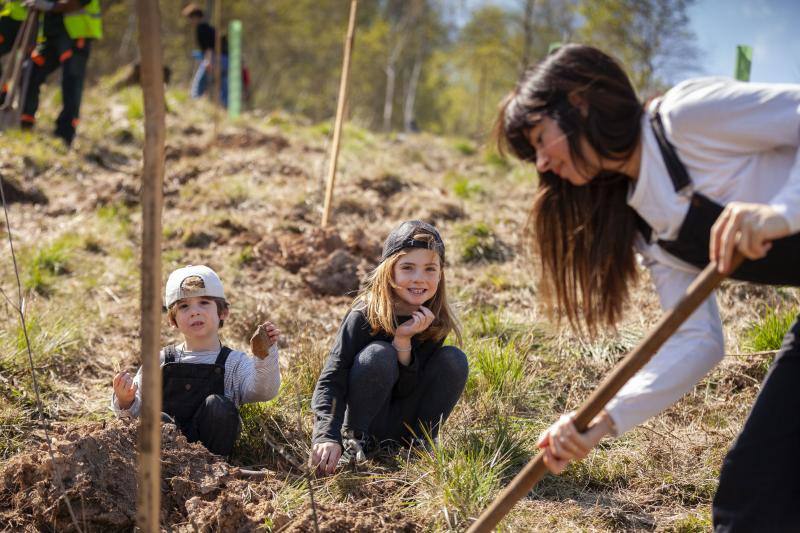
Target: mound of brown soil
<point>327,262</point>
<point>199,491</point>
<point>97,466</point>
<point>336,275</point>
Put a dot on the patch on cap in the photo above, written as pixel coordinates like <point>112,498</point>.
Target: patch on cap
<point>212,285</point>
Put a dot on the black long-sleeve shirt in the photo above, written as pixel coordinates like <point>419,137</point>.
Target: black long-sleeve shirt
<point>207,38</point>
<point>328,402</point>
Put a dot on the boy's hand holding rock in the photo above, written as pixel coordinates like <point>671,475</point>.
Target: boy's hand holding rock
<point>265,336</point>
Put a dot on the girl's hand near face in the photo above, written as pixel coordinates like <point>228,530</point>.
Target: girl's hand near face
<point>748,227</point>
<point>561,442</point>
<point>325,456</point>
<point>265,336</point>
<point>420,321</point>
<point>124,389</point>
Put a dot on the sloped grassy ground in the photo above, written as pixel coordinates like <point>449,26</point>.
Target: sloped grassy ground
<point>248,205</point>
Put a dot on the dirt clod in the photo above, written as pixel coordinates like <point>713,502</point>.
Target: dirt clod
<point>17,193</point>
<point>336,275</point>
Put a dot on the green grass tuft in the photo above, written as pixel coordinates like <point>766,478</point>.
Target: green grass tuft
<point>693,523</point>
<point>769,332</point>
<point>49,262</point>
<point>465,147</point>
<point>458,481</point>
<point>479,243</point>
<point>494,159</point>
<point>495,368</point>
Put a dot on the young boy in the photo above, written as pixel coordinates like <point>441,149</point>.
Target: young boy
<point>204,382</point>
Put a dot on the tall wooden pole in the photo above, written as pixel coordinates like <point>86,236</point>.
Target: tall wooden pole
<point>337,128</point>
<point>535,470</point>
<point>148,504</point>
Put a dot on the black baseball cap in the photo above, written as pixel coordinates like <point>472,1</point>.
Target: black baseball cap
<point>402,237</point>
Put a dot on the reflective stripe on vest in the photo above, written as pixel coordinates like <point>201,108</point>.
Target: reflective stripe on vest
<point>85,22</point>
<point>14,9</point>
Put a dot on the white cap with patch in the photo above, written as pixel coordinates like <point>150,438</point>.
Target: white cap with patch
<point>175,291</point>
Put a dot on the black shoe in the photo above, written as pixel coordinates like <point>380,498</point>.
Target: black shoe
<point>66,137</point>
<point>356,446</point>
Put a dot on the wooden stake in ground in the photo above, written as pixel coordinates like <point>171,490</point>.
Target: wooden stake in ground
<point>337,127</point>
<point>697,292</point>
<point>148,503</point>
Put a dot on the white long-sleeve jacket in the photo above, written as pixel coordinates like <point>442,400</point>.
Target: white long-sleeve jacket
<point>739,142</point>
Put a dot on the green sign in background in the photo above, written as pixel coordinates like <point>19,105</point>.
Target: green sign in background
<point>744,58</point>
<point>234,68</point>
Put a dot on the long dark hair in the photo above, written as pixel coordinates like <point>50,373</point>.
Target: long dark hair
<point>583,235</point>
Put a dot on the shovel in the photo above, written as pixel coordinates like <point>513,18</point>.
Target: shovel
<point>17,72</point>
<point>535,470</point>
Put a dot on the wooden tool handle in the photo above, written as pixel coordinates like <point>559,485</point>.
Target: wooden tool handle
<point>535,470</point>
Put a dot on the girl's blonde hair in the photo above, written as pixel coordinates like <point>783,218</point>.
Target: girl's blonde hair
<point>378,298</point>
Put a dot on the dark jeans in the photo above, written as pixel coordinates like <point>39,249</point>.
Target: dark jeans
<point>759,486</point>
<point>371,408</point>
<point>216,424</point>
<point>72,55</point>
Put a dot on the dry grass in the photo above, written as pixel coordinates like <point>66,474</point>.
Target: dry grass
<point>220,203</point>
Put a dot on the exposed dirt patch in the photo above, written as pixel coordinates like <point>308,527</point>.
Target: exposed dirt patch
<point>359,517</point>
<point>443,212</point>
<point>178,152</point>
<point>17,193</point>
<point>386,185</point>
<point>251,138</point>
<point>328,263</point>
<point>336,275</point>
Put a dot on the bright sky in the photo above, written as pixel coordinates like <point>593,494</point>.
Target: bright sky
<point>771,27</point>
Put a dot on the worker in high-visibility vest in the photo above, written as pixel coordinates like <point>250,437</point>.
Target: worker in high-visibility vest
<point>12,13</point>
<point>68,29</point>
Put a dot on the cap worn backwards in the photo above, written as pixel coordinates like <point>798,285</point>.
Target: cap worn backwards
<point>212,285</point>
<point>402,237</point>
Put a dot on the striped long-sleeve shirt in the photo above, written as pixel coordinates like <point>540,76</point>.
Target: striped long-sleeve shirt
<point>247,379</point>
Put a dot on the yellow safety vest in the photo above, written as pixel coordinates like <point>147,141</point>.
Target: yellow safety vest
<point>13,9</point>
<point>85,22</point>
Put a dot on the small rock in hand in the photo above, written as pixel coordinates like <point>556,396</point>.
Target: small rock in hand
<point>259,343</point>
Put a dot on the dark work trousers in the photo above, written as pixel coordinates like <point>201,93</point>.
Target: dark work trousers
<point>372,409</point>
<point>216,424</point>
<point>194,396</point>
<point>72,55</point>
<point>759,485</point>
<point>8,32</point>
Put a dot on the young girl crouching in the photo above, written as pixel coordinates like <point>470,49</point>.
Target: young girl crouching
<point>389,375</point>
